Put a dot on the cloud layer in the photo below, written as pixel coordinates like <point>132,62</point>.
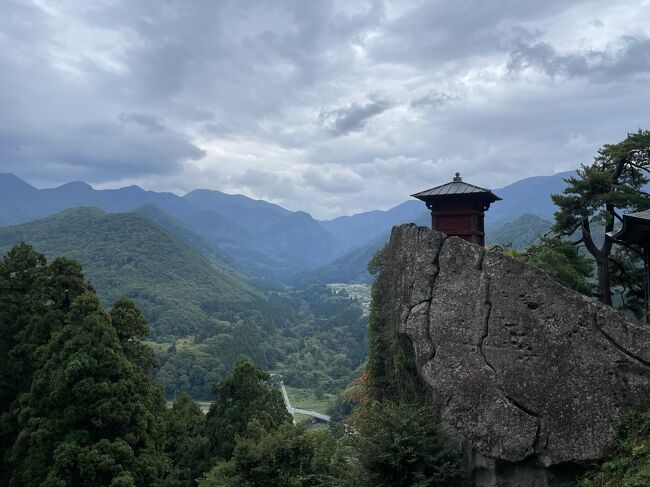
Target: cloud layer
<point>330,107</point>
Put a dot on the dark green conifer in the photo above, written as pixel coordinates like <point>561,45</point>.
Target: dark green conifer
<point>401,445</point>
<point>89,417</point>
<point>34,300</point>
<point>131,327</point>
<point>240,398</point>
<point>186,443</point>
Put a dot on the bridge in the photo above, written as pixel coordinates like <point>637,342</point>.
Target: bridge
<point>293,411</point>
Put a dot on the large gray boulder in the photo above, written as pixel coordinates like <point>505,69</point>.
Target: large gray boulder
<point>532,378</point>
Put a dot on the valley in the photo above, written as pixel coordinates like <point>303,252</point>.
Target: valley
<point>361,243</point>
<point>220,277</point>
<point>357,292</point>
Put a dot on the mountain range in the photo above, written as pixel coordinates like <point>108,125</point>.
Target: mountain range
<point>261,240</point>
<point>210,270</point>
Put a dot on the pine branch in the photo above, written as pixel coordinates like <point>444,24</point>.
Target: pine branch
<point>578,242</point>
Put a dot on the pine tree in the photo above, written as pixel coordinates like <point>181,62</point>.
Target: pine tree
<point>186,443</point>
<point>561,260</point>
<point>34,300</point>
<point>599,194</point>
<point>132,327</point>
<point>89,417</point>
<point>240,398</point>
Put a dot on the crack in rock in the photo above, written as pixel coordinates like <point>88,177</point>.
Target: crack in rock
<point>487,302</point>
<point>427,352</point>
<point>486,323</point>
<point>616,345</point>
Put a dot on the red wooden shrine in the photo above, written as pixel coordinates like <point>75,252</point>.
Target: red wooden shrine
<point>458,209</point>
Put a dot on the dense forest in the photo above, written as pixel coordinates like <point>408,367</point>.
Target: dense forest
<point>314,338</point>
<point>203,318</point>
<point>78,406</point>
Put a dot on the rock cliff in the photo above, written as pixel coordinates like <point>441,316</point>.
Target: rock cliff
<point>530,377</point>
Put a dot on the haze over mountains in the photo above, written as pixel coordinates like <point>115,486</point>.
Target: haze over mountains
<point>210,270</point>
<point>262,240</point>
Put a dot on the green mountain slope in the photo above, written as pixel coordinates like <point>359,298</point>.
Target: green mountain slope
<point>203,318</point>
<point>520,232</point>
<point>124,254</point>
<point>350,268</point>
<point>187,235</point>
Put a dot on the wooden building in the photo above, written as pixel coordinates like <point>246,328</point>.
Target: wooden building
<point>636,231</point>
<point>458,209</point>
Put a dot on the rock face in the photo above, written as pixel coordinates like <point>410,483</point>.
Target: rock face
<point>531,377</point>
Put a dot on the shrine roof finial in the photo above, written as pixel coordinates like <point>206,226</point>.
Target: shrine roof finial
<point>457,178</point>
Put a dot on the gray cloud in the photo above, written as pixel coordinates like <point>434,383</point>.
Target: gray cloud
<point>151,123</point>
<point>431,32</point>
<point>434,99</point>
<point>279,99</point>
<point>334,179</point>
<point>96,152</point>
<point>632,57</point>
<point>352,117</point>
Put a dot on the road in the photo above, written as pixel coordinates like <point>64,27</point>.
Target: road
<point>293,411</point>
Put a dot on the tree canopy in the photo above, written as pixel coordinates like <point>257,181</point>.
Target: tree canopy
<point>186,442</point>
<point>82,412</point>
<point>239,399</point>
<point>400,445</point>
<point>562,260</point>
<point>597,197</point>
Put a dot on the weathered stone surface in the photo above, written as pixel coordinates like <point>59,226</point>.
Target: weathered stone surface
<point>532,376</point>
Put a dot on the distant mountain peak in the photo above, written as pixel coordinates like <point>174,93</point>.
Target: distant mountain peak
<point>300,215</point>
<point>204,191</point>
<point>80,211</point>
<point>76,185</point>
<point>214,198</point>
<point>7,178</point>
<point>133,188</point>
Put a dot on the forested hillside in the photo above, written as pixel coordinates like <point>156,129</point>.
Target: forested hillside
<point>350,268</point>
<point>187,235</point>
<point>123,254</point>
<point>520,232</point>
<point>78,407</point>
<point>314,338</point>
<point>203,318</point>
<point>232,223</point>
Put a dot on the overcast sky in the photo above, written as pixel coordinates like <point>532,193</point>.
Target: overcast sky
<point>324,106</point>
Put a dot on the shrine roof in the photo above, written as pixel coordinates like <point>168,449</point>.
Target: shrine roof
<point>635,229</point>
<point>456,187</point>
